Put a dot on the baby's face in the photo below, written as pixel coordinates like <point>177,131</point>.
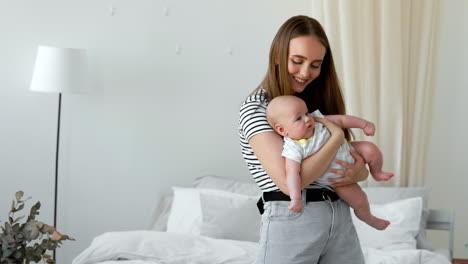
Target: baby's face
<point>296,121</point>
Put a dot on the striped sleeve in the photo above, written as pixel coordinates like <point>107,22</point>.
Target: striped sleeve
<point>253,119</point>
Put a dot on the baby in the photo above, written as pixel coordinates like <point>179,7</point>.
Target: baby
<point>289,117</point>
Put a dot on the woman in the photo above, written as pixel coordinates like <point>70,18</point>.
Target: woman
<point>300,64</point>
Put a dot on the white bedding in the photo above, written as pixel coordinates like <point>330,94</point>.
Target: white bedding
<point>206,225</point>
<point>410,256</point>
<point>144,247</point>
<point>153,247</point>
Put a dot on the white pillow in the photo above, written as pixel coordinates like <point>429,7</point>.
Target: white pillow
<point>404,217</point>
<point>381,195</point>
<point>226,184</point>
<point>161,215</point>
<point>185,216</point>
<point>229,215</point>
<point>214,213</point>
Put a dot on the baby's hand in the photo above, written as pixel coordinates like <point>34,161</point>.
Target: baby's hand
<point>295,206</point>
<point>369,129</point>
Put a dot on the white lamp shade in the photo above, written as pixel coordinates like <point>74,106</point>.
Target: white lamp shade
<point>60,70</point>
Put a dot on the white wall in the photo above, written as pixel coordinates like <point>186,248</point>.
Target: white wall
<point>447,158</point>
<point>155,118</point>
<point>127,142</point>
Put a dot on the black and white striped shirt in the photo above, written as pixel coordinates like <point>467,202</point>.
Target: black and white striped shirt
<point>252,121</point>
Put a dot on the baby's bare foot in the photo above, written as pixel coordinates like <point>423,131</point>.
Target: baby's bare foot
<point>378,223</point>
<point>382,176</point>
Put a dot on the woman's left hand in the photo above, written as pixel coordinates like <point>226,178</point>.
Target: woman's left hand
<point>354,172</point>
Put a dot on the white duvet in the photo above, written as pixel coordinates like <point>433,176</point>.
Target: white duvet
<point>151,247</point>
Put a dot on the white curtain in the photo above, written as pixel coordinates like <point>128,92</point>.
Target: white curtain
<point>384,53</point>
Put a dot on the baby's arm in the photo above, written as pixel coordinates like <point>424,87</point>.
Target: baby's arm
<point>293,181</point>
<point>347,121</point>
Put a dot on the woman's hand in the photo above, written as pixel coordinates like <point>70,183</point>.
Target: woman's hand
<point>354,172</point>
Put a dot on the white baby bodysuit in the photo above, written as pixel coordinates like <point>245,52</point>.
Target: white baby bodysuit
<point>298,150</point>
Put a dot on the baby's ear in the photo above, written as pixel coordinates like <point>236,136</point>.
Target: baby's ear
<point>280,130</point>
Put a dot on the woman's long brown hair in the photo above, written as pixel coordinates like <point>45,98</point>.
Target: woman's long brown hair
<point>324,93</point>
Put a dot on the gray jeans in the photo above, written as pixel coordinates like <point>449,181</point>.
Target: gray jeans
<point>322,233</point>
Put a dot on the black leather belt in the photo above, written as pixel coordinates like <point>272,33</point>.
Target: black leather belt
<point>312,195</point>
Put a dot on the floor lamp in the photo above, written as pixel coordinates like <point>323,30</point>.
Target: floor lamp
<point>59,70</point>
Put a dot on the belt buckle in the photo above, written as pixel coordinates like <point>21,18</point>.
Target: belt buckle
<point>325,196</point>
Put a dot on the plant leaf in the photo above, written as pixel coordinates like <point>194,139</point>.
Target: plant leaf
<point>48,229</point>
<point>7,252</point>
<point>16,227</point>
<point>65,237</point>
<point>17,254</point>
<point>16,238</point>
<point>20,207</point>
<point>19,195</point>
<point>8,228</point>
<point>18,218</point>
<point>34,211</point>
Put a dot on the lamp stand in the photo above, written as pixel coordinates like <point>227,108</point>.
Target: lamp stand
<point>56,163</point>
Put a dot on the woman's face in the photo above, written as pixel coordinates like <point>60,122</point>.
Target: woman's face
<point>305,59</point>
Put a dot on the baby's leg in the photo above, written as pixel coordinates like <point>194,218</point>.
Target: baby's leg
<point>372,155</point>
<point>356,198</point>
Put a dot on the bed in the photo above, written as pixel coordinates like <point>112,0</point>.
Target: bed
<point>216,221</point>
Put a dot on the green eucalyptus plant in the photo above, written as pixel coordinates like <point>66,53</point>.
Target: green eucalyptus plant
<point>23,243</point>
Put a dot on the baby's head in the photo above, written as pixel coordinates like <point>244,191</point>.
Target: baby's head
<point>289,117</point>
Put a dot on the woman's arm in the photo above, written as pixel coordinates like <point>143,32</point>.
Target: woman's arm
<point>268,146</point>
<point>321,160</point>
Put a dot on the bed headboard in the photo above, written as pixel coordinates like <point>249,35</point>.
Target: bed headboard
<point>442,220</point>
